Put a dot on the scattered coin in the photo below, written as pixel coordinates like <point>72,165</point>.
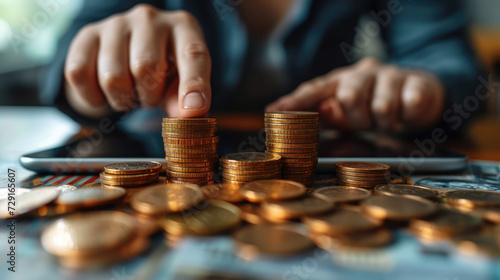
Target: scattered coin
<point>473,198</point>
<point>217,216</point>
<point>341,221</point>
<point>90,197</point>
<point>404,189</point>
<point>339,194</point>
<point>226,192</point>
<point>398,207</point>
<point>271,239</point>
<point>295,208</point>
<point>262,190</point>
<point>167,198</point>
<point>356,240</point>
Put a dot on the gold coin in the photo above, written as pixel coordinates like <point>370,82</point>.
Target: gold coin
<point>398,207</point>
<point>188,125</point>
<point>132,184</point>
<point>208,174</point>
<point>129,250</point>
<point>197,141</point>
<point>199,183</point>
<point>205,131</point>
<point>90,197</point>
<point>292,126</point>
<point>473,198</point>
<point>295,208</point>
<point>293,132</point>
<point>404,189</point>
<point>166,198</point>
<point>290,121</point>
<point>292,140</point>
<point>189,120</point>
<point>225,192</point>
<point>355,240</point>
<point>187,135</point>
<point>236,173</point>
<point>341,221</point>
<point>202,165</point>
<point>4,192</point>
<point>444,224</point>
<point>298,155</point>
<point>88,234</point>
<point>362,174</point>
<point>131,168</point>
<point>271,239</point>
<point>217,216</point>
<point>291,146</point>
<point>362,183</point>
<point>127,178</point>
<point>292,115</point>
<point>250,158</point>
<point>250,212</point>
<point>210,155</point>
<point>232,168</point>
<point>362,167</point>
<point>210,159</point>
<point>258,191</point>
<point>276,137</point>
<point>292,151</point>
<point>192,169</point>
<point>239,177</point>
<point>341,194</point>
<point>26,202</point>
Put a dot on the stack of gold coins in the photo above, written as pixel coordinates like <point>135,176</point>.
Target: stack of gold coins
<point>362,174</point>
<point>191,149</point>
<point>294,136</point>
<point>131,174</point>
<point>240,168</point>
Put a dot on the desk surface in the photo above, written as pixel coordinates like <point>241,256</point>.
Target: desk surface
<point>29,129</point>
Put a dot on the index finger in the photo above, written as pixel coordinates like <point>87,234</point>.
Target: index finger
<point>193,66</point>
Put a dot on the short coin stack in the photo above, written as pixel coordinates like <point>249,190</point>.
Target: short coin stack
<point>362,174</point>
<point>130,174</point>
<point>294,136</point>
<point>240,168</point>
<point>191,149</point>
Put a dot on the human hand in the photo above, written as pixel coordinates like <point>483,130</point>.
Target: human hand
<point>143,57</point>
<point>369,94</point>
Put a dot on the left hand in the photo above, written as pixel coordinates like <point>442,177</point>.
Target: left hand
<point>370,94</point>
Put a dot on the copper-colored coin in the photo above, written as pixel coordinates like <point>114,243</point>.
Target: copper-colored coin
<point>127,178</point>
<point>250,158</point>
<point>271,239</point>
<point>211,159</point>
<point>194,155</point>
<point>208,174</point>
<point>294,208</point>
<point>189,120</point>
<point>292,131</point>
<point>199,183</point>
<point>4,192</point>
<point>487,213</point>
<point>341,194</point>
<point>166,198</point>
<point>193,135</point>
<point>251,172</point>
<point>89,233</point>
<point>202,165</point>
<point>292,115</point>
<point>90,197</point>
<point>444,224</point>
<point>292,140</point>
<point>198,152</point>
<point>292,151</point>
<point>381,177</point>
<point>196,141</point>
<point>312,138</point>
<point>188,125</point>
<point>292,126</point>
<point>404,189</point>
<point>291,146</point>
<point>298,170</point>
<point>258,191</point>
<point>275,175</point>
<point>356,240</point>
<point>291,121</point>
<point>129,250</point>
<point>483,242</point>
<point>192,169</point>
<point>26,202</point>
<point>341,221</point>
<point>250,212</point>
<point>131,183</point>
<point>205,130</point>
<point>298,155</point>
<point>362,166</point>
<point>363,174</point>
<point>216,216</point>
<point>134,167</point>
<point>225,192</point>
<point>473,198</point>
<point>364,182</point>
<point>398,207</point>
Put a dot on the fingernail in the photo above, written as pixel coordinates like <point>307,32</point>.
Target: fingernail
<point>193,100</point>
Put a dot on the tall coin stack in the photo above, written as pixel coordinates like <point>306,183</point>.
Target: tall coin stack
<point>294,136</point>
<point>240,168</point>
<point>362,174</point>
<point>191,149</point>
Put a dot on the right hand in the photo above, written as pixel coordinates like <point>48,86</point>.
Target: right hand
<point>144,57</point>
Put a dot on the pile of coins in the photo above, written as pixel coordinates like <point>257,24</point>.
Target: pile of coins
<point>240,168</point>
<point>294,136</point>
<point>130,174</point>
<point>362,174</point>
<point>191,149</point>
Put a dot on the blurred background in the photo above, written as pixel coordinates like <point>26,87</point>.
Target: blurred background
<point>29,30</point>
